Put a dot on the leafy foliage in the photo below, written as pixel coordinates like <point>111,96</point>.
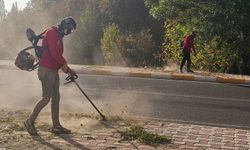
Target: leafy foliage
<point>132,49</point>
<point>111,45</point>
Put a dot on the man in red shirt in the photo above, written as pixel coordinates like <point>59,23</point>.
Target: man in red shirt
<point>188,47</point>
<point>51,61</point>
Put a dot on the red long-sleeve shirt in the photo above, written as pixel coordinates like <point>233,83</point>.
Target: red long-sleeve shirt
<point>189,43</point>
<point>52,56</point>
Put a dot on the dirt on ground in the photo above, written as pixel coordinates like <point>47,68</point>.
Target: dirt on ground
<point>14,136</point>
<point>88,132</point>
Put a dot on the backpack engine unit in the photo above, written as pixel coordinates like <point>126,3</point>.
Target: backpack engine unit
<point>25,60</point>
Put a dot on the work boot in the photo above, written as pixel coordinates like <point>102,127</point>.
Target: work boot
<point>60,130</point>
<point>190,71</point>
<point>181,71</point>
<point>30,127</point>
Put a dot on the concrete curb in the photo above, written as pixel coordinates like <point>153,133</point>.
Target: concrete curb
<point>173,76</point>
<point>113,71</point>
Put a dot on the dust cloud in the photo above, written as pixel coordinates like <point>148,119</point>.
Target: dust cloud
<point>115,103</point>
<point>172,67</point>
<point>22,90</point>
<point>13,30</point>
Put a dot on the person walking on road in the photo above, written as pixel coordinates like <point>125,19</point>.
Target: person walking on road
<point>188,47</point>
<point>51,61</point>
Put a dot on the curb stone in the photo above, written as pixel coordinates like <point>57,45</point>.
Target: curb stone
<point>161,75</point>
<point>147,73</point>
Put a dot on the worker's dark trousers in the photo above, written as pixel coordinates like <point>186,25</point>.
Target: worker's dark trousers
<point>186,57</point>
<point>50,90</point>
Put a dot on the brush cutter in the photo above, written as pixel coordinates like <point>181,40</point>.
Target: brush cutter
<point>70,79</point>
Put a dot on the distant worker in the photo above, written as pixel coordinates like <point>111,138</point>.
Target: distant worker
<point>188,47</point>
<point>51,61</point>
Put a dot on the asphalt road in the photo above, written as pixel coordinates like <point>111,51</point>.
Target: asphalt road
<point>200,102</point>
<point>176,100</point>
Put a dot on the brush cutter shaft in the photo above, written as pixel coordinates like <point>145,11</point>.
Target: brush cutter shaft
<point>89,99</point>
<point>70,79</point>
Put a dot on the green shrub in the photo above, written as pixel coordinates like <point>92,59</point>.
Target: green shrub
<point>130,49</point>
<point>111,45</point>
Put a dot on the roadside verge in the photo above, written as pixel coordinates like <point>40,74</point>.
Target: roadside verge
<point>149,73</point>
<point>159,74</point>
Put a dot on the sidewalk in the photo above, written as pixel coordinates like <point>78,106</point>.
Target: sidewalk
<point>95,135</point>
<point>185,136</point>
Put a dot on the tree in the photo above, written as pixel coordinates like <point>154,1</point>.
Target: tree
<point>89,33</point>
<point>112,45</point>
<point>127,48</point>
<point>84,46</point>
